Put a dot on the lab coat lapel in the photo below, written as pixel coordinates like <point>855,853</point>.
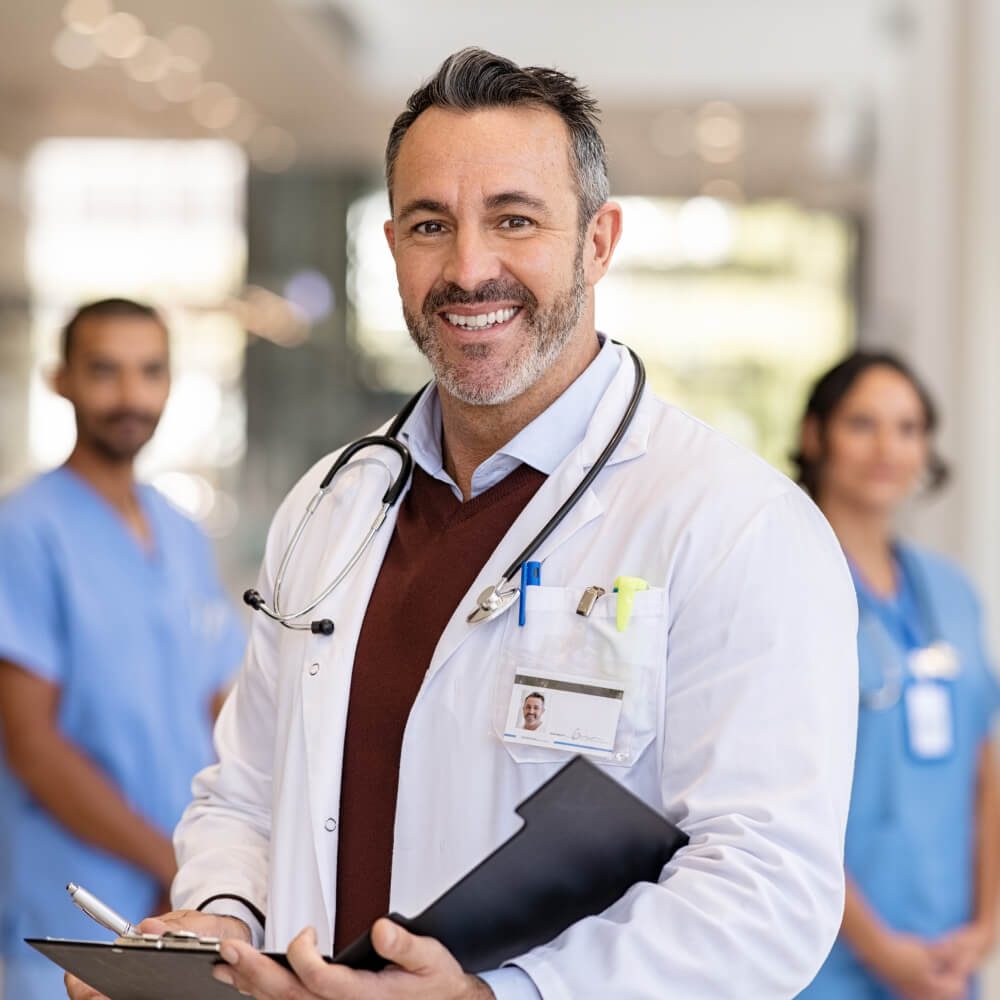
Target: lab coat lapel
<point>326,692</point>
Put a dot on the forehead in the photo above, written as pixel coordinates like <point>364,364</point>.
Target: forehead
<point>121,337</point>
<point>882,385</point>
<point>449,155</point>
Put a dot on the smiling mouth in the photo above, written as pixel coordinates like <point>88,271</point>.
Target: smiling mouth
<point>482,321</point>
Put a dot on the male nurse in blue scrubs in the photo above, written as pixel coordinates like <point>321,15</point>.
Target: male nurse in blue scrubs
<point>116,643</point>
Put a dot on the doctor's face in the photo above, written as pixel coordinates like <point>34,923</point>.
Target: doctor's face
<point>876,443</point>
<point>491,262</point>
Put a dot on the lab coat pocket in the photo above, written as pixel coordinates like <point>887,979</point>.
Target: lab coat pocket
<point>568,684</point>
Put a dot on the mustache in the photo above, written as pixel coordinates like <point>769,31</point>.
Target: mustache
<point>117,416</point>
<point>494,290</point>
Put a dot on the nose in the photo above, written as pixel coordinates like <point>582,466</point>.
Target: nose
<point>136,390</point>
<point>471,260</point>
<point>885,441</point>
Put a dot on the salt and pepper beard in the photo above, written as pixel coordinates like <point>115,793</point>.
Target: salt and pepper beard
<point>552,328</point>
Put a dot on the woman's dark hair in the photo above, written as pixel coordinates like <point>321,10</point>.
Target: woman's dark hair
<point>830,390</point>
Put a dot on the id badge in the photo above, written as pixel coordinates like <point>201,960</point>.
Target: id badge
<point>929,720</point>
<point>564,711</point>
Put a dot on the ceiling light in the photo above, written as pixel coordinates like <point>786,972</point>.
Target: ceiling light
<point>181,80</point>
<point>86,16</point>
<point>74,51</point>
<point>245,124</point>
<point>719,132</point>
<point>149,63</point>
<point>215,106</point>
<point>121,35</point>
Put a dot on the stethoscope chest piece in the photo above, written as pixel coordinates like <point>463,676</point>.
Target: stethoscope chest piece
<point>491,603</point>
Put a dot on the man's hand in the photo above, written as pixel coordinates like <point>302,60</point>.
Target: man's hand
<point>203,924</point>
<point>422,969</point>
<point>921,970</point>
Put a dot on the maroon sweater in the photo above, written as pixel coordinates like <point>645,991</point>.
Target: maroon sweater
<point>437,550</point>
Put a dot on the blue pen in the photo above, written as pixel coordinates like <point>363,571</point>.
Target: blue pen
<point>531,576</point>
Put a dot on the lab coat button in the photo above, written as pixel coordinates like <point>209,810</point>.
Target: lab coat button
<point>313,669</point>
<point>331,825</point>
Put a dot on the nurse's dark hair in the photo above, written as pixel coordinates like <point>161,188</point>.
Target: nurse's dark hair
<point>536,694</point>
<point>105,309</point>
<point>827,395</point>
<point>474,79</point>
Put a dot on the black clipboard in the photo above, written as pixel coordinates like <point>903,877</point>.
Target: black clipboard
<point>586,840</point>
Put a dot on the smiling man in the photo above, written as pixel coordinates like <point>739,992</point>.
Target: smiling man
<point>368,770</point>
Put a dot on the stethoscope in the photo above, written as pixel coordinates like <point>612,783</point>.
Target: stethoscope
<point>887,653</point>
<point>494,600</point>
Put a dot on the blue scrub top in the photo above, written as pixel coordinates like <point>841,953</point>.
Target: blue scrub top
<point>910,845</point>
<point>138,642</point>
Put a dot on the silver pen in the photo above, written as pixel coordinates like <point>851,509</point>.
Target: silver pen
<point>100,912</point>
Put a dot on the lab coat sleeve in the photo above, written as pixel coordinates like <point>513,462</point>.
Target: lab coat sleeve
<point>755,759</point>
<point>223,839</point>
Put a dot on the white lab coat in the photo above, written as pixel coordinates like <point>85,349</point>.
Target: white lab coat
<point>740,719</point>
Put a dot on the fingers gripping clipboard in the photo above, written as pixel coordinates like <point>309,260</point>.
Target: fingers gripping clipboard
<point>586,840</point>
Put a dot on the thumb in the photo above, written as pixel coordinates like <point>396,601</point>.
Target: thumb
<point>152,925</point>
<point>399,946</point>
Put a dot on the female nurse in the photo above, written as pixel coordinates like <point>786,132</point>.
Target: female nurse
<point>923,837</point>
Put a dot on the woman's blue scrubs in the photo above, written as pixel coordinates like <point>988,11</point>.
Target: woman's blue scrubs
<point>911,831</point>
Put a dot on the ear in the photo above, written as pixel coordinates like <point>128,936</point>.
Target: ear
<point>602,237</point>
<point>809,439</point>
<point>58,380</point>
<point>390,236</point>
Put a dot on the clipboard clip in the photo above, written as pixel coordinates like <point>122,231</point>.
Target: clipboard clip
<point>170,941</point>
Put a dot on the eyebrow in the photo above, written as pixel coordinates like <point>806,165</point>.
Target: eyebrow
<point>423,205</point>
<point>503,199</point>
<point>507,198</point>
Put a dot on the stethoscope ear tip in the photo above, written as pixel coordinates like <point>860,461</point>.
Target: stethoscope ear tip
<point>322,627</point>
<point>253,598</point>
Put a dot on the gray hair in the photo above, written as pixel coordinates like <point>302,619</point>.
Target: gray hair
<point>474,79</point>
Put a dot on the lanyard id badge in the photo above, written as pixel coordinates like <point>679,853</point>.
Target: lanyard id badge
<point>930,719</point>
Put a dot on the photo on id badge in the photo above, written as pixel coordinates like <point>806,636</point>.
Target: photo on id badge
<point>564,712</point>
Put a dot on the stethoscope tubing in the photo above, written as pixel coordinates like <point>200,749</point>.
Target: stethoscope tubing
<point>888,694</point>
<point>393,493</point>
<point>595,470</point>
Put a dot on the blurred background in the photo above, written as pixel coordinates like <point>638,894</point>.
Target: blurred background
<point>797,177</point>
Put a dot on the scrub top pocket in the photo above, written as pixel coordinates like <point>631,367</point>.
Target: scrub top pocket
<point>594,679</point>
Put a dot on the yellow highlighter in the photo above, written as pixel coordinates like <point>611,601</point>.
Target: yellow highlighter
<point>626,587</point>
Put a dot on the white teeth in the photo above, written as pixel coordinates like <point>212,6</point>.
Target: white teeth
<point>481,321</point>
